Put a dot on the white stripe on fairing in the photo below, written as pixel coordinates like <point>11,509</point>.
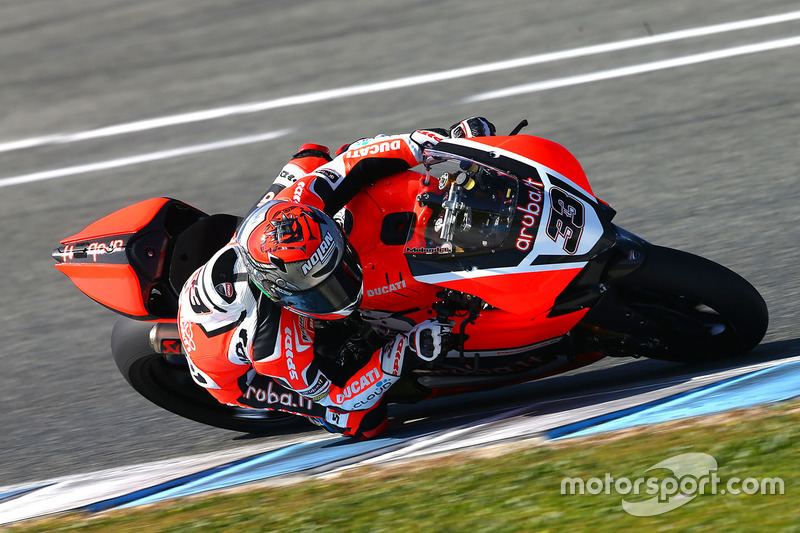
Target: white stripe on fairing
<point>482,273</point>
<point>633,70</point>
<point>410,81</point>
<point>137,159</point>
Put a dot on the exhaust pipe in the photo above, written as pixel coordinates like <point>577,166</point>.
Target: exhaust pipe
<point>165,339</point>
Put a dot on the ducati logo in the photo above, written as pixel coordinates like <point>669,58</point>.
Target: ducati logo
<point>225,289</point>
<point>374,149</point>
<point>358,385</point>
<point>387,288</point>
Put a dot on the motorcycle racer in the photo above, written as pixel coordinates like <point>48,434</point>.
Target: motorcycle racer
<point>261,305</point>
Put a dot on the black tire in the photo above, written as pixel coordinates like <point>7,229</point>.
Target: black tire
<point>167,383</point>
<point>679,307</point>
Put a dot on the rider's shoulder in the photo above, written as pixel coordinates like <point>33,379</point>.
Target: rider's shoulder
<point>221,284</point>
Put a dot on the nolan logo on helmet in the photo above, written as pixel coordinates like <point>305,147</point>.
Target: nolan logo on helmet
<point>321,254</point>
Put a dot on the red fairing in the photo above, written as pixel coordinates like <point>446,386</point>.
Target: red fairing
<point>120,261</point>
<point>114,286</point>
<point>127,220</point>
<point>388,283</point>
<point>546,152</point>
<point>540,290</point>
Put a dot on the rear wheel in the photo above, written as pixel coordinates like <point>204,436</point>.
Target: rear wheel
<point>167,383</point>
<point>678,307</point>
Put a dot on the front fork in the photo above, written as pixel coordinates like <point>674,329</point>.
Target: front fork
<point>618,254</point>
<point>629,255</point>
<point>609,313</point>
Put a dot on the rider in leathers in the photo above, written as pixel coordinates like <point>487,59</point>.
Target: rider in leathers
<point>234,335</point>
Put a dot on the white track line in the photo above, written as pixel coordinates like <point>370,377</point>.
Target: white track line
<point>503,93</point>
<point>143,158</point>
<point>635,69</point>
<point>356,90</point>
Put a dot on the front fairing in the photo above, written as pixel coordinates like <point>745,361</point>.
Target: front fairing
<point>519,249</point>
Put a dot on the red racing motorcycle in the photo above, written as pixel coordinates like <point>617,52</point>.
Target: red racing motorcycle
<point>501,235</point>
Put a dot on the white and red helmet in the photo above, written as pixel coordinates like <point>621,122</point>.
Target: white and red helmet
<point>300,258</point>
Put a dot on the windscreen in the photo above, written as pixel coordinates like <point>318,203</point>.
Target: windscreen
<point>467,207</point>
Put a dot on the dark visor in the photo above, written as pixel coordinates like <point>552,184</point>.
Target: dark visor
<point>336,295</point>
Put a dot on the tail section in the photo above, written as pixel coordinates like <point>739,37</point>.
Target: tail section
<point>122,260</point>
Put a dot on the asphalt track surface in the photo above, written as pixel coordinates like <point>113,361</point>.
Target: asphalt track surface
<point>699,154</point>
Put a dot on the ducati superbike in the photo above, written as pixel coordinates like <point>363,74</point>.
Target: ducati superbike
<point>501,236</point>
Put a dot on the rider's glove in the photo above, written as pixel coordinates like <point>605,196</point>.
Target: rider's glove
<point>472,127</point>
<point>427,339</point>
<point>423,343</point>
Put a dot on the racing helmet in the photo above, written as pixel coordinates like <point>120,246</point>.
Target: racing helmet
<point>300,258</point>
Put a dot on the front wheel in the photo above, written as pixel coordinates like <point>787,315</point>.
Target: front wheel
<point>678,307</point>
<point>167,383</point>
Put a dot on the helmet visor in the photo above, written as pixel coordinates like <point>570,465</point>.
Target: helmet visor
<point>336,297</point>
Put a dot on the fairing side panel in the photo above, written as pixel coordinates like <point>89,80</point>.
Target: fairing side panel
<point>499,333</point>
<point>114,286</point>
<point>526,294</point>
<point>379,233</point>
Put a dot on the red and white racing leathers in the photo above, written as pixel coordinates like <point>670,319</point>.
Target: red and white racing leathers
<point>249,352</point>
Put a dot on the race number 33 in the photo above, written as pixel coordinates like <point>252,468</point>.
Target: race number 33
<point>566,219</point>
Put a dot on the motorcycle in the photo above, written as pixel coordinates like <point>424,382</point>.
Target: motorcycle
<point>502,236</point>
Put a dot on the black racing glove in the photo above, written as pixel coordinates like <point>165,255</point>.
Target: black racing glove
<point>472,127</point>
